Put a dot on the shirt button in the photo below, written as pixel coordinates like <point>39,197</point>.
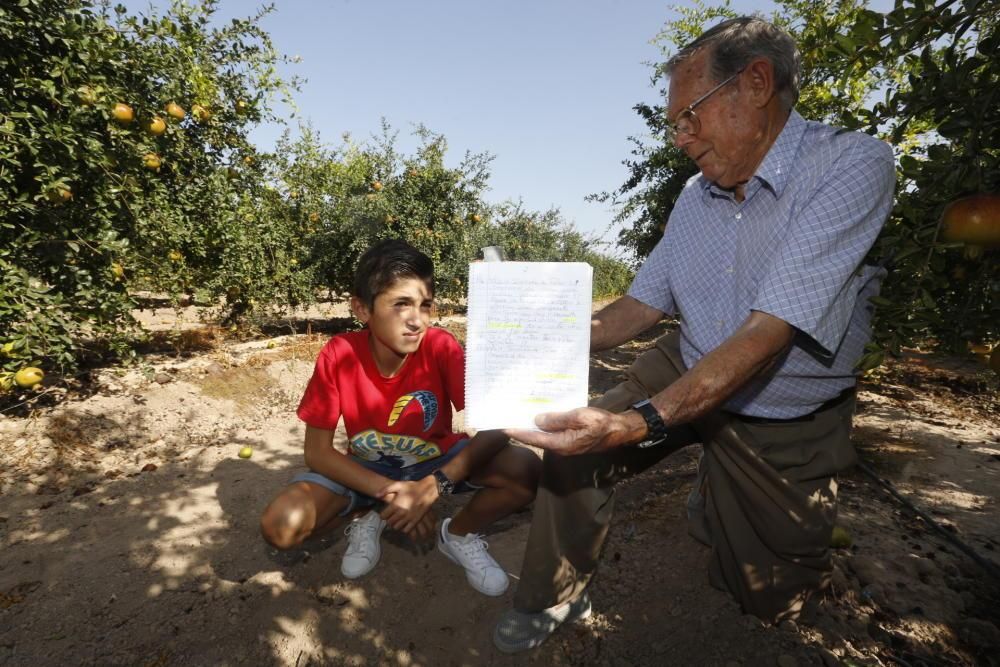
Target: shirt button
<point>738,216</point>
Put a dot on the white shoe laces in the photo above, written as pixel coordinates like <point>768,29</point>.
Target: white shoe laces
<point>473,547</point>
<point>361,536</point>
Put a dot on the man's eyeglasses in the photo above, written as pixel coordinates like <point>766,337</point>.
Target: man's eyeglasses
<point>687,121</point>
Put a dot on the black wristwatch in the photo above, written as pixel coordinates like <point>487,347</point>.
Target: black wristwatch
<point>657,430</point>
<point>445,486</point>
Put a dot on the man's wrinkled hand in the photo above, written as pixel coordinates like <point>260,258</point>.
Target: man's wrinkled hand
<point>580,431</point>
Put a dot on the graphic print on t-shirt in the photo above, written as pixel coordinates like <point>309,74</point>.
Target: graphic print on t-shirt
<point>400,450</point>
<point>425,399</point>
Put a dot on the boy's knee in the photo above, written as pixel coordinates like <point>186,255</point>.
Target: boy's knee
<point>526,485</point>
<point>281,527</point>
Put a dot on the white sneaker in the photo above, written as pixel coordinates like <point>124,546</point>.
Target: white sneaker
<point>363,550</point>
<point>483,573</point>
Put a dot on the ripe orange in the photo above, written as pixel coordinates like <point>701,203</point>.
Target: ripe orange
<point>176,111</point>
<point>476,217</point>
<point>241,106</point>
<point>59,195</point>
<point>175,255</point>
<point>151,161</point>
<point>123,113</point>
<point>200,112</point>
<point>974,220</point>
<point>377,186</point>
<point>156,126</point>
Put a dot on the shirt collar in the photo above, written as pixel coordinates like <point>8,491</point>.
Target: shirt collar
<point>776,167</point>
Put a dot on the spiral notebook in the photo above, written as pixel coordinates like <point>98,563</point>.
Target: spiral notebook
<point>528,341</point>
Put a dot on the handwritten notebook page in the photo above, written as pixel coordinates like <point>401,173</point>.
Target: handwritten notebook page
<point>528,341</point>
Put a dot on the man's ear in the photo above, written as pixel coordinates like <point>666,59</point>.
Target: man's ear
<point>761,82</point>
<point>360,310</point>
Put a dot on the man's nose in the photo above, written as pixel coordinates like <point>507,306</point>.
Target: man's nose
<point>682,139</point>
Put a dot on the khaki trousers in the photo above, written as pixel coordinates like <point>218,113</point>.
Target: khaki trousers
<point>768,490</point>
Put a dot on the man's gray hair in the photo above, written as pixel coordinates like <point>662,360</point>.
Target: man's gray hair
<point>734,43</point>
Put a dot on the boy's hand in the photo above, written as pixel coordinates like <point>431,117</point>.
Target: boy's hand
<point>425,529</point>
<point>408,503</point>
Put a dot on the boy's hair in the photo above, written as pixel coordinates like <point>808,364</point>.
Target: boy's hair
<point>386,262</point>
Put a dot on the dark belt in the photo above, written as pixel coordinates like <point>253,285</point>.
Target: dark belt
<point>832,403</point>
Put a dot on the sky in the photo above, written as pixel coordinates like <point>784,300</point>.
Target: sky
<point>545,86</point>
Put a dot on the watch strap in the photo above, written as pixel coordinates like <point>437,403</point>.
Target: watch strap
<point>656,429</point>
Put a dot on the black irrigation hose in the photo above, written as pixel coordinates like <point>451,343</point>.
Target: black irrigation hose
<point>988,565</point>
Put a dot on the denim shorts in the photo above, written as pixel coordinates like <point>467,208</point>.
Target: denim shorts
<point>359,501</point>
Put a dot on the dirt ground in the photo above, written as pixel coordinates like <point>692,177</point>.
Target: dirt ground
<point>129,533</point>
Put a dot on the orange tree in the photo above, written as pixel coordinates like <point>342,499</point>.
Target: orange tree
<point>532,236</point>
<point>122,161</point>
<point>923,77</point>
<point>342,200</point>
<point>941,112</point>
<point>339,201</point>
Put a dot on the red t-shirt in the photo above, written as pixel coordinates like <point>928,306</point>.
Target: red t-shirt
<point>400,420</point>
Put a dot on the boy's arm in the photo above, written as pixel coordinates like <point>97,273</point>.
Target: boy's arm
<point>321,457</point>
<point>482,448</point>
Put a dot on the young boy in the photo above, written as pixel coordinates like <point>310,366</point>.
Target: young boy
<point>394,383</point>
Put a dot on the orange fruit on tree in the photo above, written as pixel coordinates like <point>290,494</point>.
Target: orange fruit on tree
<point>377,186</point>
<point>175,255</point>
<point>175,111</point>
<point>59,194</point>
<point>86,96</point>
<point>200,112</point>
<point>241,106</point>
<point>476,217</point>
<point>117,270</point>
<point>151,161</point>
<point>314,217</point>
<point>156,126</point>
<point>123,113</point>
<point>974,220</point>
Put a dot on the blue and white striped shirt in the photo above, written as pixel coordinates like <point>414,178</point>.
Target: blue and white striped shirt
<point>794,248</point>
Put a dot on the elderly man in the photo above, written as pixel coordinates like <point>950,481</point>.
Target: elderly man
<point>763,262</point>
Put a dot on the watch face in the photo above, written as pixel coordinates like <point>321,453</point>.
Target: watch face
<point>444,484</point>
